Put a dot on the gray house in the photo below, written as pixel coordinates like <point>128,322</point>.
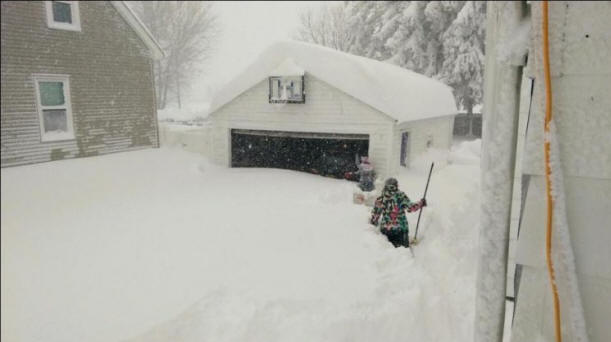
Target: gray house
<point>77,81</point>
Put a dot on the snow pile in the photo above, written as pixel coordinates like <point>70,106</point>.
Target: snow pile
<point>121,243</point>
<point>469,152</point>
<point>464,153</point>
<point>288,68</point>
<point>398,92</point>
<point>195,111</point>
<point>181,127</point>
<point>515,50</point>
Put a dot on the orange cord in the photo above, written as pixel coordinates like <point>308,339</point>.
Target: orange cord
<point>548,182</point>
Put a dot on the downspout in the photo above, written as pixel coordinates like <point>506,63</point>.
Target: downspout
<point>499,136</point>
<point>155,102</point>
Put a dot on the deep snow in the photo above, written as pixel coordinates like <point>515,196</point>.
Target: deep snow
<point>189,112</point>
<point>160,245</point>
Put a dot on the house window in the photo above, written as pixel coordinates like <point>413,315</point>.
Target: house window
<point>286,89</point>
<point>54,107</point>
<point>63,15</point>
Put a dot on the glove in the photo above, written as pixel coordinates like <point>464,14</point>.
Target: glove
<point>423,202</point>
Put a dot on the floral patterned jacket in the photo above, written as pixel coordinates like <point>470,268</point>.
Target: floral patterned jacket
<point>389,209</point>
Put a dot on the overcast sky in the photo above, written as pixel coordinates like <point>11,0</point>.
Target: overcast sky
<point>246,29</point>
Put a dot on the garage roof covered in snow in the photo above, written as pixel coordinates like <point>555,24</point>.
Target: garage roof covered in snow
<point>400,93</point>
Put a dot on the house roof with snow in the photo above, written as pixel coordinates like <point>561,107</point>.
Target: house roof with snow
<point>400,93</point>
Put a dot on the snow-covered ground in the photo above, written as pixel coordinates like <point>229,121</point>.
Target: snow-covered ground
<point>160,245</point>
<point>191,111</point>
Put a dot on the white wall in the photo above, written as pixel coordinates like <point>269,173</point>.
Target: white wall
<point>438,129</point>
<point>326,109</point>
<point>580,36</point>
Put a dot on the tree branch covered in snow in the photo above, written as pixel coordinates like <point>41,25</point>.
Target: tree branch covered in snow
<point>440,39</point>
<point>186,31</point>
<point>327,26</point>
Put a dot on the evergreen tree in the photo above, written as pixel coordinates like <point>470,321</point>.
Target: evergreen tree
<point>463,66</point>
<point>440,39</point>
<point>408,43</point>
<point>388,24</point>
<point>438,17</point>
<point>363,20</point>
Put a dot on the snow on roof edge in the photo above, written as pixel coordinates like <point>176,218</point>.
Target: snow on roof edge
<point>141,30</point>
<point>397,92</point>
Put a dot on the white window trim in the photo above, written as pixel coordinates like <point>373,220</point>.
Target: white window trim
<point>65,79</point>
<point>76,17</point>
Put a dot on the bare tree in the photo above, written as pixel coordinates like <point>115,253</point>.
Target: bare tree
<point>326,25</point>
<point>186,31</point>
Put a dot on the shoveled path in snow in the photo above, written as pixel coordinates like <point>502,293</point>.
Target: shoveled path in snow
<point>159,245</point>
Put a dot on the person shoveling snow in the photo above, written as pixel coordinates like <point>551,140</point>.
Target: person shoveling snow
<point>366,175</point>
<point>391,207</point>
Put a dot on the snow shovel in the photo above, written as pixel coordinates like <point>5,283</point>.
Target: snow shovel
<point>415,241</point>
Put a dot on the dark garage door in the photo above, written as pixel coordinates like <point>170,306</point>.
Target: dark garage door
<point>320,153</point>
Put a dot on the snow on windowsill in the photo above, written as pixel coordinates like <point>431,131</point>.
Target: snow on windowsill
<point>57,136</point>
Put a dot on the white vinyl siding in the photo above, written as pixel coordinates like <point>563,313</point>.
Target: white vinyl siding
<point>63,15</point>
<point>437,131</point>
<point>327,110</point>
<point>54,107</point>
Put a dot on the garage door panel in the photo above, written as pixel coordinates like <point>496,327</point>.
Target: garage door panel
<point>327,154</point>
<point>307,135</point>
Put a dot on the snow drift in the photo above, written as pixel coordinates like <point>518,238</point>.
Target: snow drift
<point>160,245</point>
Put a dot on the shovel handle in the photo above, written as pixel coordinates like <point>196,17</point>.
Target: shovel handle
<point>424,196</point>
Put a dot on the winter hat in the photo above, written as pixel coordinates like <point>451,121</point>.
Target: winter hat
<point>392,182</point>
<point>390,187</point>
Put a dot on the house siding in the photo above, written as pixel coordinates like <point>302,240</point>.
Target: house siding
<point>439,129</point>
<point>579,41</point>
<point>326,109</point>
<point>111,83</point>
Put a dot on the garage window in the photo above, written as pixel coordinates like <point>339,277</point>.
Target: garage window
<point>286,89</point>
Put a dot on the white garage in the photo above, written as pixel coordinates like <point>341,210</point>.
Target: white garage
<point>310,108</point>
